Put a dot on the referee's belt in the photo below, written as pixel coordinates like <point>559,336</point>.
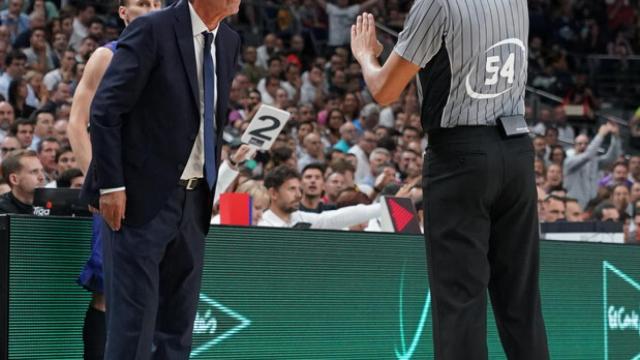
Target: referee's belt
<point>190,184</point>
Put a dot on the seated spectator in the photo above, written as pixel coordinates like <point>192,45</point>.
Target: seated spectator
<point>361,150</point>
<point>18,98</point>
<point>313,151</point>
<point>24,174</point>
<point>22,129</point>
<point>62,74</point>
<point>7,117</point>
<point>65,160</point>
<point>573,210</point>
<point>39,53</point>
<point>582,169</point>
<point>70,178</point>
<point>554,209</point>
<point>557,155</point>
<point>259,200</point>
<point>348,133</point>
<point>312,188</point>
<point>634,168</point>
<point>14,68</point>
<point>9,144</point>
<point>334,184</point>
<point>47,150</point>
<point>14,18</point>
<point>44,121</point>
<point>606,212</point>
<point>553,178</point>
<point>620,198</point>
<point>283,184</point>
<point>619,176</point>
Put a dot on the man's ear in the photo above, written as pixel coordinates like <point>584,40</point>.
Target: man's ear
<point>13,180</point>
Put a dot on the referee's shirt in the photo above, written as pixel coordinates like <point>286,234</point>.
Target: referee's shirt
<point>473,59</point>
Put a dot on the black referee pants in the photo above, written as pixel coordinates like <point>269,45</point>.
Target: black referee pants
<point>481,230</point>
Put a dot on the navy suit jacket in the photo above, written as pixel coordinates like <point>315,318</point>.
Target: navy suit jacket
<point>145,115</point>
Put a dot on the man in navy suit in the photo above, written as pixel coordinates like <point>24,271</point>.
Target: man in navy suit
<point>156,127</point>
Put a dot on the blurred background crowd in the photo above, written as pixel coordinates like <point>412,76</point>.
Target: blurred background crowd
<point>340,147</point>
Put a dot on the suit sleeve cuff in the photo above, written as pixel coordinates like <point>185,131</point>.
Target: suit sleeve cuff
<point>111,190</point>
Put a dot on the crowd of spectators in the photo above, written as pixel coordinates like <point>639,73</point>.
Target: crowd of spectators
<point>339,149</point>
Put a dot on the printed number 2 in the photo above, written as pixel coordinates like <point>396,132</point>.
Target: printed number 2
<point>506,71</point>
<point>259,132</point>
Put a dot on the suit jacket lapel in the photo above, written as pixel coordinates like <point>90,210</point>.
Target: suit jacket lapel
<point>184,36</point>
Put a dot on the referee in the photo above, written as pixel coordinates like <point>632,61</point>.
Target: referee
<point>481,223</point>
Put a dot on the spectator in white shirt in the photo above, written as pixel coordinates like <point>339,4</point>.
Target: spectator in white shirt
<point>361,150</point>
<point>285,192</point>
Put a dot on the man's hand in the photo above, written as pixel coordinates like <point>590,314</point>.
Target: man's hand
<point>604,130</point>
<point>112,207</point>
<point>364,42</point>
<point>615,129</point>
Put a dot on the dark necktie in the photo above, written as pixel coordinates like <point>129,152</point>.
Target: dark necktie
<point>209,113</point>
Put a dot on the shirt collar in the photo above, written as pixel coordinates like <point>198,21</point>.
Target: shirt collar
<point>197,25</point>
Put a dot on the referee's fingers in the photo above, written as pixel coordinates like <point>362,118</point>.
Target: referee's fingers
<point>365,22</point>
<point>359,24</point>
<point>353,31</point>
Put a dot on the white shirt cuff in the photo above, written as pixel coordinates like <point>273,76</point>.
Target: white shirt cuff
<point>111,190</point>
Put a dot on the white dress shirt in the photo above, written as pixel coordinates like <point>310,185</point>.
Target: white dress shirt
<point>195,164</point>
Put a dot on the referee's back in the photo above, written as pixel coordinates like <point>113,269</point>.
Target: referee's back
<point>473,57</point>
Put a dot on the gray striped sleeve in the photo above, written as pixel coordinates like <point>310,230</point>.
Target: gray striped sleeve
<point>421,38</point>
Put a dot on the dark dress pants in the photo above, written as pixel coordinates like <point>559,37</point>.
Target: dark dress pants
<point>481,230</point>
<point>152,279</point>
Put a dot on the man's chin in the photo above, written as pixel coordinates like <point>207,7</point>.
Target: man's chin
<point>292,209</point>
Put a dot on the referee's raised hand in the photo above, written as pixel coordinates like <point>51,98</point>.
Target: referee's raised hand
<point>364,42</point>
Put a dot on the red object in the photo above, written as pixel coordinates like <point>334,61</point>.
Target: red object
<point>401,216</point>
<point>235,209</point>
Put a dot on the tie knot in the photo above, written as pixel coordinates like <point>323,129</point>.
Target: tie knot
<point>208,38</point>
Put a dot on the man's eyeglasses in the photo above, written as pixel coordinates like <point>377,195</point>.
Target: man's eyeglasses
<point>8,149</point>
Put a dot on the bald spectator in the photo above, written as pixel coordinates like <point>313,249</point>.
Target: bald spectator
<point>7,117</point>
<point>365,146</point>
<point>9,144</point>
<point>348,134</point>
<point>554,209</point>
<point>22,129</point>
<point>333,186</point>
<point>250,64</point>
<point>267,50</point>
<point>60,131</point>
<point>581,171</point>
<point>313,152</point>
